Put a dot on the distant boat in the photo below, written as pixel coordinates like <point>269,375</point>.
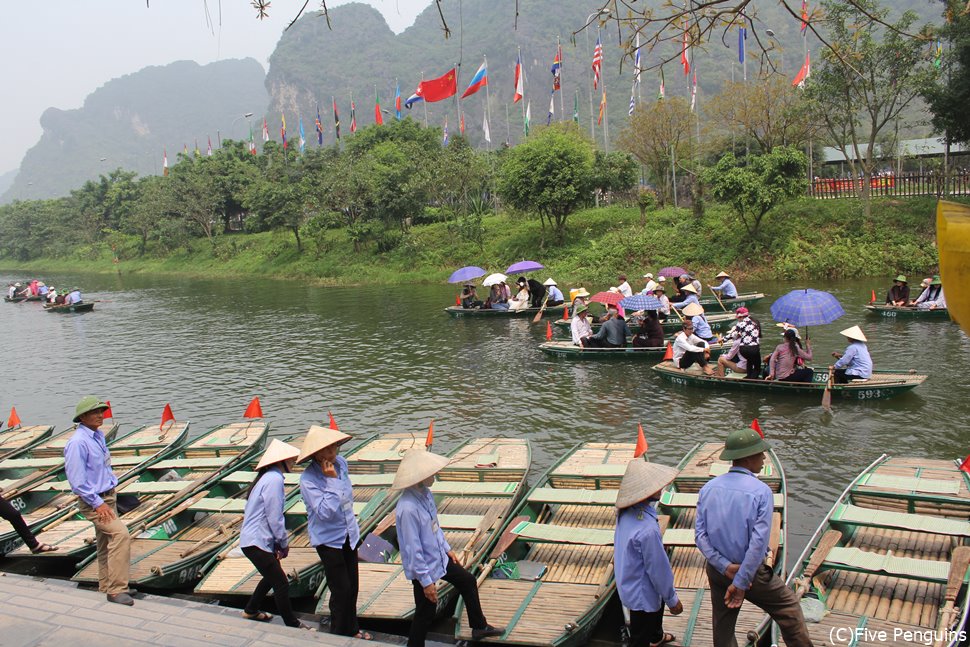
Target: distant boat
<point>65,308</point>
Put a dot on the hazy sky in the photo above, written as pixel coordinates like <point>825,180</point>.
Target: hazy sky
<point>56,52</point>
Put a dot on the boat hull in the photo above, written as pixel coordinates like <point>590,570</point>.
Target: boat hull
<point>567,350</point>
<point>458,312</point>
<point>718,322</point>
<point>75,307</point>
<point>743,300</point>
<point>890,312</point>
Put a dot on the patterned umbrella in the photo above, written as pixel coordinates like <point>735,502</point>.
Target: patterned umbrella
<point>493,279</point>
<point>607,297</point>
<point>671,272</point>
<point>466,274</point>
<point>807,307</point>
<point>523,266</point>
<point>640,302</point>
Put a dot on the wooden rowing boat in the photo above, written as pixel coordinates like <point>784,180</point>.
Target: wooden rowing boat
<point>742,300</point>
<point>564,528</point>
<point>892,312</point>
<point>16,440</point>
<point>677,512</point>
<point>882,384</point>
<point>891,556</point>
<point>475,494</point>
<point>65,308</point>
<point>718,322</point>
<point>32,297</point>
<point>459,312</point>
<point>654,353</point>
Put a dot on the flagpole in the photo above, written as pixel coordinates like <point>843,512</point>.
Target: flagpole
<point>522,76</point>
<point>606,124</point>
<point>488,102</point>
<point>562,109</point>
<point>589,73</point>
<point>425,102</point>
<point>508,126</point>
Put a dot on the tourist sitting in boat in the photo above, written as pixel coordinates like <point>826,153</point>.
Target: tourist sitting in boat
<point>644,579</point>
<point>651,333</point>
<point>537,292</point>
<point>555,294</point>
<point>612,333</point>
<point>702,329</point>
<point>521,299</point>
<point>52,295</point>
<point>579,298</point>
<point>42,291</point>
<point>689,349</point>
<point>12,290</point>
<point>73,297</point>
<point>855,363</point>
<point>726,288</point>
<point>932,297</point>
<point>624,286</point>
<point>495,299</point>
<point>664,310</point>
<point>580,327</point>
<point>696,283</point>
<point>690,296</point>
<point>787,363</point>
<point>732,361</point>
<point>650,285</point>
<point>469,298</point>
<point>898,294</point>
<point>748,330</point>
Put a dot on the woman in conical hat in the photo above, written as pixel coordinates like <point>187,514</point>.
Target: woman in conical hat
<point>334,532</point>
<point>425,553</point>
<point>263,538</point>
<point>644,578</point>
<point>855,363</point>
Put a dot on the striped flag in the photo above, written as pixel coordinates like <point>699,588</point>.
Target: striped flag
<point>805,72</point>
<point>164,162</point>
<point>636,62</point>
<point>597,62</point>
<point>633,98</point>
<point>302,136</point>
<point>804,16</point>
<point>488,135</point>
<point>265,130</point>
<point>353,116</point>
<point>378,117</point>
<point>519,81</point>
<point>283,131</point>
<point>693,92</point>
<point>602,108</point>
<point>661,94</point>
<point>556,69</point>
<point>252,142</point>
<point>685,51</point>
<point>336,117</point>
<point>319,126</point>
<point>528,118</point>
<point>397,102</point>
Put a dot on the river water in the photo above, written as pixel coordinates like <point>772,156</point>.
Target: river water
<point>389,359</point>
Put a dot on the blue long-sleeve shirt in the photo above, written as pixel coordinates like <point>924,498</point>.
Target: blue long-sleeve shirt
<point>701,328</point>
<point>330,506</point>
<point>263,524</point>
<point>424,550</point>
<point>690,298</point>
<point>87,463</point>
<point>727,289</point>
<point>734,522</point>
<point>856,360</point>
<point>644,579</point>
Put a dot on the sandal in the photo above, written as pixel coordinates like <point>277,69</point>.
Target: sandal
<point>363,635</point>
<point>668,638</point>
<point>43,548</point>
<point>262,616</point>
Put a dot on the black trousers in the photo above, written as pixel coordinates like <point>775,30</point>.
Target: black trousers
<point>592,342</point>
<point>340,566</point>
<point>803,374</point>
<point>753,355</point>
<point>841,377</point>
<point>16,520</point>
<point>646,627</point>
<point>273,578</point>
<point>424,609</point>
<point>691,357</point>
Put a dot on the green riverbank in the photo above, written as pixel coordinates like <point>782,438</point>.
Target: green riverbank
<point>805,239</point>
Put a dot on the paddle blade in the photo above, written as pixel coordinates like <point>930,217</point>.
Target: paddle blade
<point>642,445</point>
<point>107,412</point>
<point>167,415</point>
<point>669,353</point>
<point>254,410</point>
<point>507,537</point>
<point>548,331</point>
<point>757,427</point>
<point>430,439</point>
<point>14,419</point>
<point>333,423</point>
<point>959,562</point>
<point>827,397</point>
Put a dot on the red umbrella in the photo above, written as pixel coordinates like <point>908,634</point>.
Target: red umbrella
<point>607,298</point>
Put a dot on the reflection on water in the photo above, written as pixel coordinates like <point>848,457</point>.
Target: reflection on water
<point>389,359</point>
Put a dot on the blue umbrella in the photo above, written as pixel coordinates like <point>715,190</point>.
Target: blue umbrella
<point>807,308</point>
<point>466,274</point>
<point>640,302</point>
<point>524,266</point>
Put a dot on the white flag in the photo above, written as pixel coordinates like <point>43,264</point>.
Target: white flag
<point>488,136</point>
<point>636,62</point>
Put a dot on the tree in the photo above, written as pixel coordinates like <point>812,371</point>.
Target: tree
<point>551,173</point>
<point>614,172</point>
<point>752,189</point>
<point>866,81</point>
<point>191,193</point>
<point>658,135</point>
<point>949,94</point>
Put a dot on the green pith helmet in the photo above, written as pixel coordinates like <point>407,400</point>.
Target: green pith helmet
<point>936,280</point>
<point>901,278</point>
<point>87,404</point>
<point>743,443</point>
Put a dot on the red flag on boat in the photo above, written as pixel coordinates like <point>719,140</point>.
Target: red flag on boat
<point>669,354</point>
<point>167,415</point>
<point>565,312</point>
<point>254,410</point>
<point>333,423</point>
<point>107,412</point>
<point>965,465</point>
<point>548,331</point>
<point>642,445</point>
<point>430,439</point>
<point>14,419</point>
<point>757,427</point>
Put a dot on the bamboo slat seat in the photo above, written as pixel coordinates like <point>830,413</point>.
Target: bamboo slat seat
<point>363,480</point>
<point>572,495</point>
<point>245,476</point>
<point>155,487</point>
<point>870,562</point>
<point>856,515</point>
<point>544,532</point>
<point>215,504</point>
<point>202,462</point>
<point>25,463</point>
<point>673,499</point>
<point>471,488</point>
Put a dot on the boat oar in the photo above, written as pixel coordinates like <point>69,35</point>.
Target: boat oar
<point>173,512</point>
<point>959,561</point>
<point>223,529</point>
<point>485,524</point>
<point>827,394</point>
<point>828,541</point>
<point>718,297</point>
<point>541,310</point>
<point>389,520</point>
<point>506,540</point>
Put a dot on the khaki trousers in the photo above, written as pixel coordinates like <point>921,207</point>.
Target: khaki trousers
<point>767,591</point>
<point>114,547</point>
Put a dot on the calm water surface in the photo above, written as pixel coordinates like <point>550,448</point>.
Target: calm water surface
<point>389,359</point>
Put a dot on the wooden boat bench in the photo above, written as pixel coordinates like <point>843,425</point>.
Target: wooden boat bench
<point>859,516</point>
<point>551,533</point>
<point>475,488</point>
<point>372,480</point>
<point>157,487</point>
<point>672,499</point>
<point>199,463</point>
<point>554,495</point>
<point>910,483</point>
<point>861,561</point>
<point>214,504</point>
<point>245,476</point>
<point>299,508</point>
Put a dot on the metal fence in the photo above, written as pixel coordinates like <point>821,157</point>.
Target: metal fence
<point>905,184</point>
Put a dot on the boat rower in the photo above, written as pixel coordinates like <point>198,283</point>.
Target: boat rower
<point>726,287</point>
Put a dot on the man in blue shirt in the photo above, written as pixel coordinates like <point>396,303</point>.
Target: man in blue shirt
<point>425,553</point>
<point>644,578</point>
<point>726,287</point>
<point>555,294</point>
<point>87,463</point>
<point>855,363</point>
<point>732,531</point>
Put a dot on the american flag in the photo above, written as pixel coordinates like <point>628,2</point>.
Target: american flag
<point>597,62</point>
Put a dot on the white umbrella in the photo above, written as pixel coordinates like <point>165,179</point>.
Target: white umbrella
<point>494,279</point>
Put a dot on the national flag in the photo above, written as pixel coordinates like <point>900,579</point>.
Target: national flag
<point>333,423</point>
<point>461,123</point>
<point>336,117</point>
<point>444,139</point>
<point>164,162</point>
<point>519,80</point>
<point>252,142</point>
<point>805,72</point>
<point>479,81</point>
<point>597,62</point>
<point>576,107</point>
<point>636,62</point>
<point>757,427</point>
<point>488,135</point>
<point>552,107</point>
<point>661,94</point>
<point>253,410</point>
<point>197,153</point>
<point>528,118</point>
<point>965,465</point>
<point>685,51</point>
<point>14,419</point>
<point>397,101</point>
<point>938,57</point>
<point>411,100</point>
<point>167,415</point>
<point>437,89</point>
<point>557,69</point>
<point>742,36</point>
<point>283,131</point>
<point>378,117</point>
<point>693,93</point>
<point>804,16</point>
<point>319,126</point>
<point>548,330</point>
<point>642,445</point>
<point>633,98</point>
<point>602,108</point>
<point>302,136</point>
<point>265,130</point>
<point>208,151</point>
<point>430,439</point>
<point>353,117</point>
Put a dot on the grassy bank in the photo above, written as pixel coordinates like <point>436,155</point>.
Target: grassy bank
<point>806,239</point>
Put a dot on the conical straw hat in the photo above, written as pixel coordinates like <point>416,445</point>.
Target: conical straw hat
<point>723,275</point>
<point>641,480</point>
<point>693,309</point>
<point>319,437</point>
<point>417,465</point>
<point>689,288</point>
<point>277,451</point>
<point>854,333</point>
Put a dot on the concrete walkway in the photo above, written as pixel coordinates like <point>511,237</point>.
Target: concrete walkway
<point>36,611</point>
